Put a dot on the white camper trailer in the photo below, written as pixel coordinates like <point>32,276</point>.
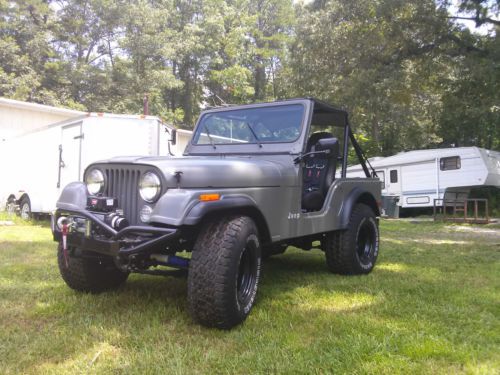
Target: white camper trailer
<point>37,165</point>
<point>417,178</point>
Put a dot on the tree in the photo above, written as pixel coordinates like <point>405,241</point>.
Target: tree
<point>252,50</point>
<point>25,51</point>
<point>379,60</point>
<point>410,75</point>
<point>270,34</point>
<point>471,112</point>
<point>471,94</point>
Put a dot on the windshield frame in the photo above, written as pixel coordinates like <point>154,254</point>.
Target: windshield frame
<point>280,147</point>
<point>202,127</point>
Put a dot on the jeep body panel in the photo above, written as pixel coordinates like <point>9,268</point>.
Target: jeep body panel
<point>279,204</point>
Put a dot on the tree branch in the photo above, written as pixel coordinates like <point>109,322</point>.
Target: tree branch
<point>97,57</point>
<point>479,21</point>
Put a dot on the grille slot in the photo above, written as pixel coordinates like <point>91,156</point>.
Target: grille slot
<point>122,183</point>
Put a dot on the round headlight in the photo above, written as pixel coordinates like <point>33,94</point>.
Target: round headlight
<point>95,182</point>
<point>149,187</point>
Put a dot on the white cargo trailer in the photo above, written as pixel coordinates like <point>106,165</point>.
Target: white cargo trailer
<point>416,178</point>
<point>35,166</point>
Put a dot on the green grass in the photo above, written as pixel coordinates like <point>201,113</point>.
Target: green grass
<point>432,305</point>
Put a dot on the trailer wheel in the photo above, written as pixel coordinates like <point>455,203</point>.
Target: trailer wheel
<point>10,206</point>
<point>224,272</point>
<point>354,251</point>
<point>86,273</point>
<point>25,208</point>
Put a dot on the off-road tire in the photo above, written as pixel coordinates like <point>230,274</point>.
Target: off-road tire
<point>91,274</point>
<point>224,272</point>
<point>354,251</point>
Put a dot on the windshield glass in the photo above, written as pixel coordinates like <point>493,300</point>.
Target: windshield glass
<point>253,125</point>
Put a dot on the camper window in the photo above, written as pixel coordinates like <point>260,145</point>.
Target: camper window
<point>394,176</point>
<point>450,163</point>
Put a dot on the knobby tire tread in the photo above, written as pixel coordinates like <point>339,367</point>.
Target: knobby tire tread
<point>341,245</point>
<point>211,267</point>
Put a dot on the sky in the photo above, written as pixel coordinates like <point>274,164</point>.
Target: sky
<point>471,25</point>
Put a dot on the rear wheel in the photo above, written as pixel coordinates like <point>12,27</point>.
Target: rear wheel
<point>354,250</point>
<point>87,273</point>
<point>224,272</point>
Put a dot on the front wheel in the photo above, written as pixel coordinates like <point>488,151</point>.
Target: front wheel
<point>354,251</point>
<point>85,272</point>
<point>224,272</point>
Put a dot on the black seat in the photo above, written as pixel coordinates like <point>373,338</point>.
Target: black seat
<point>318,173</point>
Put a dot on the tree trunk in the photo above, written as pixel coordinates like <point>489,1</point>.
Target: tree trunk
<point>260,80</point>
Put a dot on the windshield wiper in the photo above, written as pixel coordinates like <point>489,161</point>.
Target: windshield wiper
<point>209,136</point>
<point>254,135</point>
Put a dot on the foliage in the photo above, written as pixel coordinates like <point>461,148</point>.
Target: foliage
<point>390,63</point>
<point>410,75</point>
<point>471,112</point>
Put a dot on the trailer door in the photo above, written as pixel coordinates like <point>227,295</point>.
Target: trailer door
<point>71,154</point>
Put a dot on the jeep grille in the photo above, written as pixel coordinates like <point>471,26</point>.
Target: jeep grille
<point>122,183</point>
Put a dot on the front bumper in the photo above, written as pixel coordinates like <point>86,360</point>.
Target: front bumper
<point>128,241</point>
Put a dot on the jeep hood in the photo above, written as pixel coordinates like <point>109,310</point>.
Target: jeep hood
<point>220,172</point>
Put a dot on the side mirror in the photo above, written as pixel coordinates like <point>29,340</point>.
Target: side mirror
<point>173,139</point>
<point>328,145</point>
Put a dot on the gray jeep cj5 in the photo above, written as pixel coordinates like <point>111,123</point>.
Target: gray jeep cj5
<point>253,180</point>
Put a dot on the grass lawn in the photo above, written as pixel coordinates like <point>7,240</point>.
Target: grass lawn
<point>432,305</point>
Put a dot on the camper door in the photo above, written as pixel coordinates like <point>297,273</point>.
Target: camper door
<point>393,181</point>
<point>70,162</point>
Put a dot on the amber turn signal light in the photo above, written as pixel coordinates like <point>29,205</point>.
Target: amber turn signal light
<point>209,197</point>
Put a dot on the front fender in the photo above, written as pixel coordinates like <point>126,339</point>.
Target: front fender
<point>230,202</point>
<point>182,207</point>
<point>73,197</point>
